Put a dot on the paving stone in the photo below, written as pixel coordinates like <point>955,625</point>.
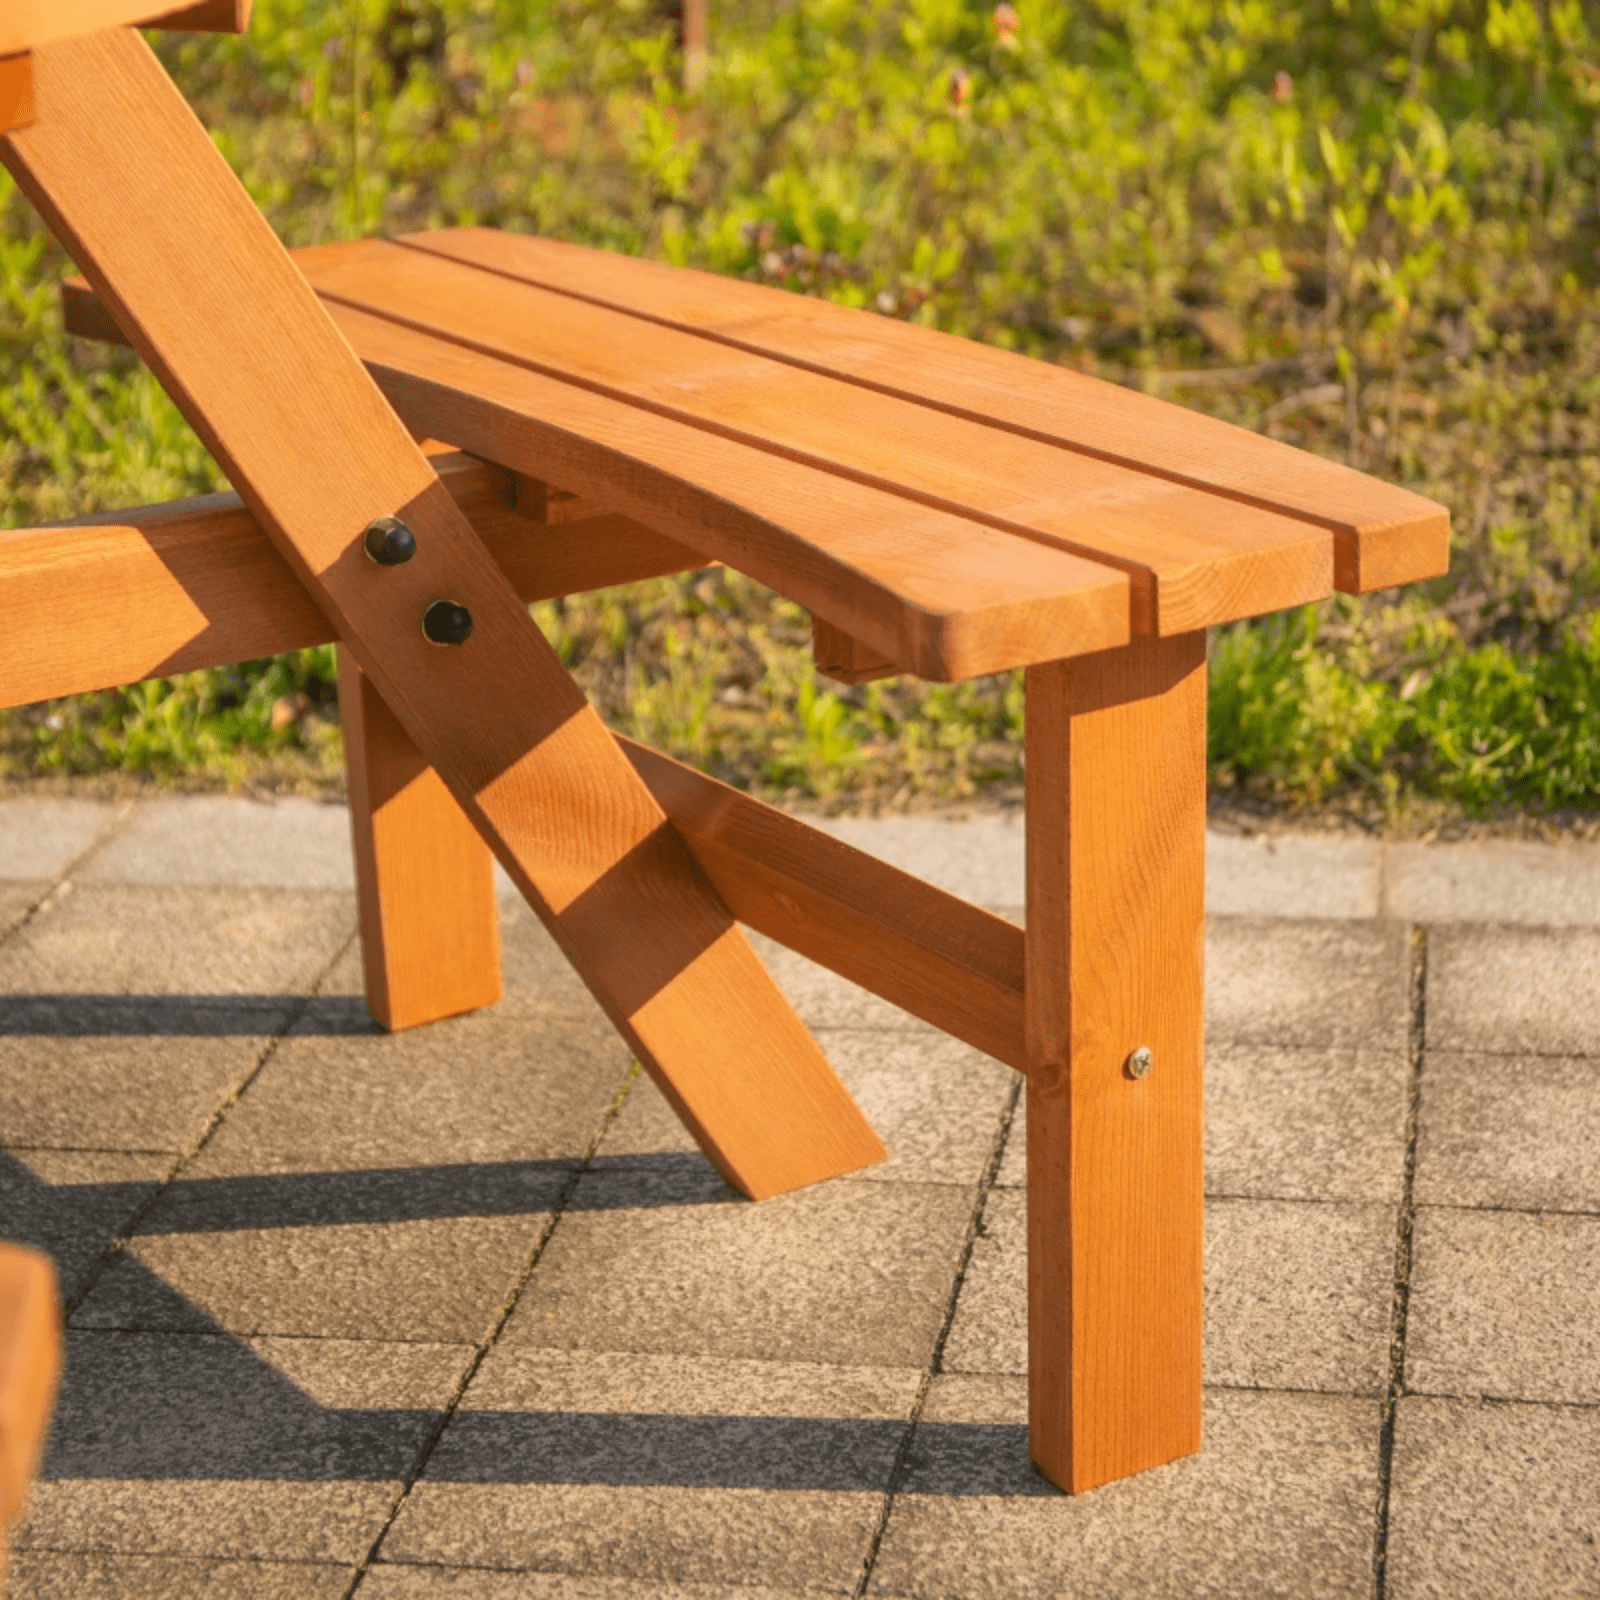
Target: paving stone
<point>825,1000</point>
<point>1319,985</point>
<point>537,975</point>
<point>657,1255</point>
<point>1292,875</point>
<point>1520,1132</point>
<point>119,1092</point>
<point>47,1575</point>
<point>42,838</point>
<point>384,1582</point>
<point>280,1450</point>
<point>16,900</point>
<point>292,843</point>
<point>1291,1124</point>
<point>73,1203</point>
<point>662,1468</point>
<point>114,940</point>
<point>1514,991</point>
<point>979,856</point>
<point>1505,1304</point>
<point>1297,1296</point>
<point>1279,1503</point>
<point>1493,1501</point>
<point>1493,880</point>
<point>938,1104</point>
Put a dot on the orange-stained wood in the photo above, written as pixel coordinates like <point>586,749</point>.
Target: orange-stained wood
<point>1193,558</point>
<point>16,92</point>
<point>128,179</point>
<point>30,1366</point>
<point>430,930</point>
<point>115,598</point>
<point>995,386</point>
<point>845,659</point>
<point>28,24</point>
<point>948,962</point>
<point>1116,810</point>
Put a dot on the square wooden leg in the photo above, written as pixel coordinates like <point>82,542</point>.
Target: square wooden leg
<point>1116,916</point>
<point>430,929</point>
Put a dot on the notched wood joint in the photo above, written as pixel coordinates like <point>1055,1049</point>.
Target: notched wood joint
<point>846,659</point>
<point>543,502</point>
<point>16,92</point>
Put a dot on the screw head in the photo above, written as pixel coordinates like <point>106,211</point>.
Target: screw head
<point>1139,1063</point>
<point>445,622</point>
<point>389,542</point>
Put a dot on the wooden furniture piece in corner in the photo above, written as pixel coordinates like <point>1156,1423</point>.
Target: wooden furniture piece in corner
<point>941,508</point>
<point>30,1367</point>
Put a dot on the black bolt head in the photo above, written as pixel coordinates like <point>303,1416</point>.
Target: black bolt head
<point>390,542</point>
<point>444,622</point>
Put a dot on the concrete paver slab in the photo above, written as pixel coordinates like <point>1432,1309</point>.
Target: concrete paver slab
<point>73,1203</point>
<point>1280,1503</point>
<point>937,1103</point>
<point>979,857</point>
<point>16,901</point>
<point>1505,1304</point>
<point>277,1450</point>
<point>1493,880</point>
<point>113,940</point>
<point>42,838</point>
<point>45,1575</point>
<point>1297,1296</point>
<point>655,1255</point>
<point>393,1582</point>
<point>292,843</point>
<point>825,1000</point>
<point>1514,991</point>
<point>132,1091</point>
<point>1494,1501</point>
<point>1519,1132</point>
<point>1318,985</point>
<point>1292,875</point>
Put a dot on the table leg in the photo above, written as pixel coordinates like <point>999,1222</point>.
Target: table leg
<point>1116,915</point>
<point>430,930</point>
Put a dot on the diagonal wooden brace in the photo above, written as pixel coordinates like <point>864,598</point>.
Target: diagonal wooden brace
<point>122,171</point>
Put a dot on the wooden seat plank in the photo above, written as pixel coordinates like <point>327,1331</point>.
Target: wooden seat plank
<point>126,177</point>
<point>118,597</point>
<point>1194,558</point>
<point>1384,535</point>
<point>28,24</point>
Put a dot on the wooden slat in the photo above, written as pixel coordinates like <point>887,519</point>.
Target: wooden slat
<point>1383,534</point>
<point>1193,558</point>
<point>116,598</point>
<point>16,92</point>
<point>845,659</point>
<point>29,24</point>
<point>30,1365</point>
<point>948,962</point>
<point>1116,810</point>
<point>128,179</point>
<point>941,595</point>
<point>430,929</point>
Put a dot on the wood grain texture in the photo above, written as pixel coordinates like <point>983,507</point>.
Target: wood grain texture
<point>116,598</point>
<point>974,380</point>
<point>1115,917</point>
<point>430,929</point>
<point>129,181</point>
<point>16,92</point>
<point>29,24</point>
<point>1193,558</point>
<point>944,596</point>
<point>845,659</point>
<point>30,1367</point>
<point>934,955</point>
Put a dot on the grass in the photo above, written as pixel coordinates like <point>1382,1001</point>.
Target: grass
<point>1369,227</point>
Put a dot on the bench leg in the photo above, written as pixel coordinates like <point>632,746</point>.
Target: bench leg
<point>1116,909</point>
<point>430,930</point>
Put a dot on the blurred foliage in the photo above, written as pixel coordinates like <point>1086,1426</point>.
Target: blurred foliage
<point>1369,227</point>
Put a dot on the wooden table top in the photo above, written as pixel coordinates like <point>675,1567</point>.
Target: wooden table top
<point>958,508</point>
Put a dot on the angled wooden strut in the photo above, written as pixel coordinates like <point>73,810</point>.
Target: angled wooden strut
<point>123,172</point>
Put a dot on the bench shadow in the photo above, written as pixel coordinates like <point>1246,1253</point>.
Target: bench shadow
<point>183,1016</point>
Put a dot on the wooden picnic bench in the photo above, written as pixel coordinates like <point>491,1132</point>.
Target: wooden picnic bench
<point>30,1365</point>
<point>941,508</point>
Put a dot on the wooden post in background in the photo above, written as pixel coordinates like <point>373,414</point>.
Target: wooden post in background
<point>694,40</point>
<point>1116,792</point>
<point>430,930</point>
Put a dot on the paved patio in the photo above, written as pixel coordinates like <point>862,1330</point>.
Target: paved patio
<point>461,1312</point>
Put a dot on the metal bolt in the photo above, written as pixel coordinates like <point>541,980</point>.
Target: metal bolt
<point>389,542</point>
<point>445,622</point>
<point>1139,1063</point>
